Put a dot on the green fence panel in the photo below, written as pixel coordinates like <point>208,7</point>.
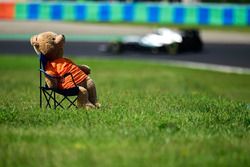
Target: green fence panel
<point>21,11</point>
<point>45,11</point>
<point>92,12</point>
<point>216,16</point>
<point>166,13</point>
<point>240,16</point>
<point>68,11</point>
<point>116,12</point>
<point>140,13</point>
<point>191,15</point>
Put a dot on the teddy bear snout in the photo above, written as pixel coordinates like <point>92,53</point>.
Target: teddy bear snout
<point>60,39</point>
<point>63,38</point>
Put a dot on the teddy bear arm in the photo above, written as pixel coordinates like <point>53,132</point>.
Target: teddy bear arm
<point>51,82</point>
<point>86,69</point>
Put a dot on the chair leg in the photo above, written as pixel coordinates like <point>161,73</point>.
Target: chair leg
<point>59,103</point>
<point>47,97</point>
<point>72,102</point>
<point>54,100</point>
<point>51,95</point>
<point>56,103</point>
<point>41,98</point>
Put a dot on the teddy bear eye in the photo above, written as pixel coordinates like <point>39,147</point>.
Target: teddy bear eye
<point>53,38</point>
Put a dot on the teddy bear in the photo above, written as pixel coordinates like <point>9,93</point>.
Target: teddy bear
<point>51,45</point>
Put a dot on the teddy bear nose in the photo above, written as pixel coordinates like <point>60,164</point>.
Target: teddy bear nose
<point>63,37</point>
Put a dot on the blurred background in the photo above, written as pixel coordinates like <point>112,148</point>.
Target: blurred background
<point>223,26</point>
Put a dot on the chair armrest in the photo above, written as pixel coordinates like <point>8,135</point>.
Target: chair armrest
<point>49,76</point>
<point>59,77</point>
<point>67,74</point>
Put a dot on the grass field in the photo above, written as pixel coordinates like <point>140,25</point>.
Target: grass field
<point>152,115</point>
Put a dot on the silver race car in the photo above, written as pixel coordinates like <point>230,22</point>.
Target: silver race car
<point>161,40</point>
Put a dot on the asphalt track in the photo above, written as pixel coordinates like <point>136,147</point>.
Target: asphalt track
<point>84,39</point>
<point>235,55</point>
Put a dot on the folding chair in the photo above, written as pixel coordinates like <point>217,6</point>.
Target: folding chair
<point>55,97</point>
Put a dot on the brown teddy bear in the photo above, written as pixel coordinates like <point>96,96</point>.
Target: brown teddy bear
<point>51,45</point>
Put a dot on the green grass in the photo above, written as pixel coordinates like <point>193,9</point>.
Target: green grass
<point>152,115</point>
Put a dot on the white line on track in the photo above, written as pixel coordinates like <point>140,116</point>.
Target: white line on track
<point>209,67</point>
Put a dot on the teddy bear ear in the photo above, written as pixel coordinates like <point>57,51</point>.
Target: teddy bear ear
<point>33,41</point>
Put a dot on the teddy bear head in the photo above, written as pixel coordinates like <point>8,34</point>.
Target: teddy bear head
<point>50,44</point>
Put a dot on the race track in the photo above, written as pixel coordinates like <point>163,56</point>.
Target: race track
<point>236,55</point>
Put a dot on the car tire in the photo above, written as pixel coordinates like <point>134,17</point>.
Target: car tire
<point>154,50</point>
<point>173,48</point>
<point>115,47</point>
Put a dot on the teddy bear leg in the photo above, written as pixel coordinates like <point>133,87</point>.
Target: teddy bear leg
<point>92,92</point>
<point>83,99</point>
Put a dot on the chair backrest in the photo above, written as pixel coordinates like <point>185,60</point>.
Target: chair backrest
<point>43,61</point>
<point>42,64</point>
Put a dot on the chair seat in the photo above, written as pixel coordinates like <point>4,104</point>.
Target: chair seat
<point>65,92</point>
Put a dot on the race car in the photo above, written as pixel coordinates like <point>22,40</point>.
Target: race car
<point>160,40</point>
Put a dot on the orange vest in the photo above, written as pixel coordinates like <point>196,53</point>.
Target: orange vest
<point>61,66</point>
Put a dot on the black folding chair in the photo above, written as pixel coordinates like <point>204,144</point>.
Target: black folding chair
<point>55,97</point>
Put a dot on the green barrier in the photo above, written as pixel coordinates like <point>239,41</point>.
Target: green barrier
<point>140,13</point>
<point>240,16</point>
<point>191,15</point>
<point>68,12</point>
<point>92,12</point>
<point>44,11</point>
<point>21,11</point>
<point>166,14</point>
<point>216,16</point>
<point>117,12</point>
<point>163,13</point>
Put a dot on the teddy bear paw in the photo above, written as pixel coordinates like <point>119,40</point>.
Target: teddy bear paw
<point>98,105</point>
<point>89,106</point>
